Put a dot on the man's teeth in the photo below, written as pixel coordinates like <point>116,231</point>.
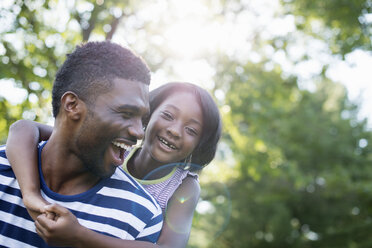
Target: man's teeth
<point>167,144</point>
<point>121,145</point>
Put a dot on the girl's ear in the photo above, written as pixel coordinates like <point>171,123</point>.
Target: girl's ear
<point>72,105</point>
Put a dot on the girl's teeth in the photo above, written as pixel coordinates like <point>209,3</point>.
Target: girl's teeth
<point>167,144</point>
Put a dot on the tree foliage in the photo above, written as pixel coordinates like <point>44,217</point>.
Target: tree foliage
<point>294,165</point>
<point>304,166</point>
<point>344,24</point>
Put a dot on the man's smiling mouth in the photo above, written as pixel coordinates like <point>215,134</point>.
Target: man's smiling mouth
<point>119,148</point>
<point>121,145</point>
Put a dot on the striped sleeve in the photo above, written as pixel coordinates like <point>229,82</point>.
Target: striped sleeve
<point>152,230</point>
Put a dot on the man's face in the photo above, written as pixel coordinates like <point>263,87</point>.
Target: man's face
<point>112,123</point>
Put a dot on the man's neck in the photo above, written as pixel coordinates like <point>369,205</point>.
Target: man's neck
<point>63,172</point>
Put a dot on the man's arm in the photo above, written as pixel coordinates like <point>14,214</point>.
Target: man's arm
<point>66,231</point>
<point>22,153</point>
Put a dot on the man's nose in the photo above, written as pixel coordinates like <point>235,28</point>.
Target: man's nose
<point>136,129</point>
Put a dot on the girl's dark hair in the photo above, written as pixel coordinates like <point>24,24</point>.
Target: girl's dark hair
<point>90,70</point>
<point>205,151</point>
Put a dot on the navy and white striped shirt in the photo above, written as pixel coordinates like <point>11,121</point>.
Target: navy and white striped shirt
<point>117,206</point>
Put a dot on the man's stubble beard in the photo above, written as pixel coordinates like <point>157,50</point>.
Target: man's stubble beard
<point>91,147</point>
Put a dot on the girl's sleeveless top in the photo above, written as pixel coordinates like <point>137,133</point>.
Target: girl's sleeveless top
<point>163,188</point>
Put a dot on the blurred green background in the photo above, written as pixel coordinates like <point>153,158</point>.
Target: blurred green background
<point>294,167</point>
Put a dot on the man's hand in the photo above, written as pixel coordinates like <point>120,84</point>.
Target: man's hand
<point>63,230</point>
<point>34,204</point>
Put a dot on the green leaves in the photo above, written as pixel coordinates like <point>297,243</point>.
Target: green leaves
<point>302,170</point>
<point>294,165</point>
<point>343,24</point>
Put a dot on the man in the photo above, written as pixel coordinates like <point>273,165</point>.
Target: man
<point>100,96</point>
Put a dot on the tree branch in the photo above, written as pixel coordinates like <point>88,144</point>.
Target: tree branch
<point>114,24</point>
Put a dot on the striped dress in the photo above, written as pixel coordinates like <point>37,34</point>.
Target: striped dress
<point>162,189</point>
<point>117,206</point>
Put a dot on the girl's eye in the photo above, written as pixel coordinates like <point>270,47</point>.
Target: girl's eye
<point>191,131</point>
<point>167,115</point>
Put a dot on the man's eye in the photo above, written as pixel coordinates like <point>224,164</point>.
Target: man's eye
<point>126,115</point>
<point>145,121</point>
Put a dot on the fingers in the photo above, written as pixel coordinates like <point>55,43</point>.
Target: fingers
<point>40,230</point>
<point>46,229</point>
<point>50,215</point>
<point>57,209</point>
<point>44,222</point>
<point>59,231</point>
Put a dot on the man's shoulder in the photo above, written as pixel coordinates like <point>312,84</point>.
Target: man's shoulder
<point>2,150</point>
<point>4,163</point>
<point>124,186</point>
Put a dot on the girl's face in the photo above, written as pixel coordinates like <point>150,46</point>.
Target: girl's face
<point>174,129</point>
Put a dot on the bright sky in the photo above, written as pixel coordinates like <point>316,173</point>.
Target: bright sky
<point>355,74</point>
<point>192,29</point>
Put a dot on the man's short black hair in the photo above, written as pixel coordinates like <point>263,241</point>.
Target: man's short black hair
<point>90,70</point>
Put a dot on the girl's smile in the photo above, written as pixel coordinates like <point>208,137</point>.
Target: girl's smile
<point>174,128</point>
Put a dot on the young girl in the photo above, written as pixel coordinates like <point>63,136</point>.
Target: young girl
<point>181,137</point>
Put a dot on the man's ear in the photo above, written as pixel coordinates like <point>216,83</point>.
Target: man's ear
<point>73,106</point>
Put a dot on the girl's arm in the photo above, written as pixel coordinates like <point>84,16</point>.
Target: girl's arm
<point>22,153</point>
<point>179,214</point>
<point>66,231</point>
